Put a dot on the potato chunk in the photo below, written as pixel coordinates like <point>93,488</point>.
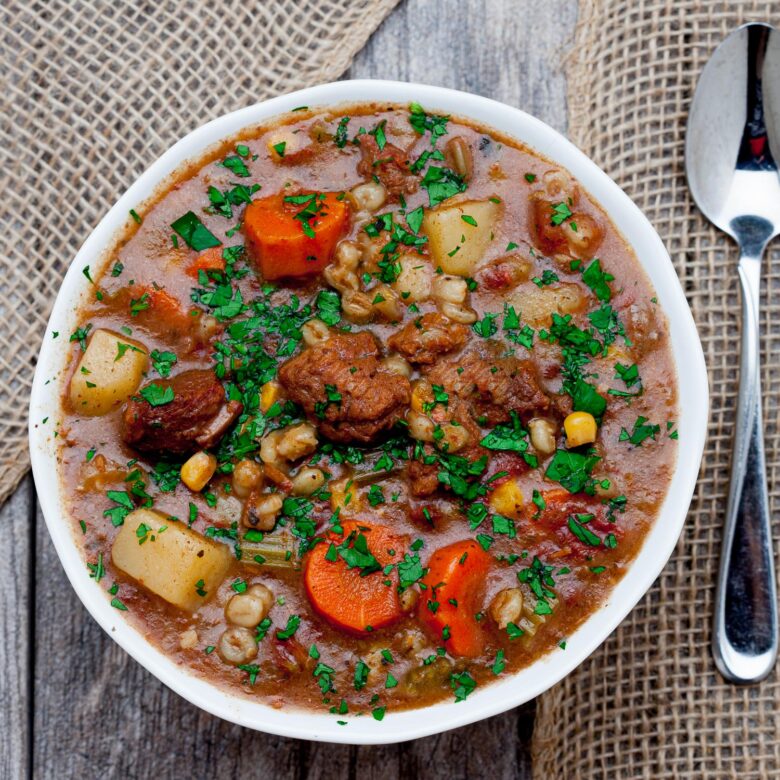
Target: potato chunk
<point>537,304</point>
<point>178,564</point>
<point>108,373</point>
<point>459,235</point>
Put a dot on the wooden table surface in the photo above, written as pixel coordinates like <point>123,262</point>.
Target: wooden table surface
<point>74,705</point>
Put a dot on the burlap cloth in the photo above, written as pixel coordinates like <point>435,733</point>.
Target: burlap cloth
<point>649,703</point>
<point>91,92</point>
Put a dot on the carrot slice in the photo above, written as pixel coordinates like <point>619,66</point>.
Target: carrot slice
<point>350,598</point>
<point>295,235</point>
<point>210,260</point>
<point>455,577</point>
<point>164,303</point>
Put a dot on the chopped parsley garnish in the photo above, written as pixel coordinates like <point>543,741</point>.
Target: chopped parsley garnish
<point>560,213</point>
<point>195,234</point>
<point>548,277</point>
<point>312,208</point>
<point>80,335</point>
<point>514,631</point>
<point>162,362</point>
<point>323,674</point>
<point>572,470</point>
<point>577,525</point>
<point>511,438</point>
<point>538,577</point>
<point>461,475</point>
<point>499,664</point>
<point>462,684</point>
<point>332,397</point>
<point>236,165</point>
<point>629,374</point>
<point>512,330</point>
<point>375,495</point>
<point>328,305</point>
<point>379,134</point>
<point>361,675</point>
<point>355,553</point>
<point>341,132</point>
<point>97,570</point>
<point>222,202</point>
<point>435,124</point>
<point>292,626</point>
<point>124,503</point>
<point>504,526</point>
<point>598,280</point>
<point>252,670</point>
<point>414,219</point>
<point>486,327</point>
<point>642,431</point>
<point>606,321</point>
<point>410,570</point>
<point>157,395</point>
<point>441,183</point>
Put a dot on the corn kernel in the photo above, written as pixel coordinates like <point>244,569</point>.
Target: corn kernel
<point>507,500</point>
<point>344,496</point>
<point>198,470</point>
<point>269,395</point>
<point>421,395</point>
<point>580,429</point>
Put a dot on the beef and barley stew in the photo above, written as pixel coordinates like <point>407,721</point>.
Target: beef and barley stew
<point>368,409</point>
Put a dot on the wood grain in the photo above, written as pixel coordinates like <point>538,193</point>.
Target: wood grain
<point>17,603</point>
<point>98,714</point>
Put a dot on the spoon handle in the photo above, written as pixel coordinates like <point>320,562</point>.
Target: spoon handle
<point>745,633</point>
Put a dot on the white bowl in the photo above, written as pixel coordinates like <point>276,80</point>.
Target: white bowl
<point>486,701</point>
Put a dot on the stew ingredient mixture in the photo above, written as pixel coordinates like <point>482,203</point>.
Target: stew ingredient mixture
<point>369,410</point>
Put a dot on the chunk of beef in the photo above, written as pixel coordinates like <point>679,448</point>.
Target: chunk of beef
<point>423,477</point>
<point>425,338</point>
<point>492,385</point>
<point>388,165</point>
<point>344,391</point>
<point>195,419</point>
<point>552,228</point>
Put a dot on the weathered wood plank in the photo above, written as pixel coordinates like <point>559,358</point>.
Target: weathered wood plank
<point>509,50</point>
<point>97,713</point>
<point>17,519</point>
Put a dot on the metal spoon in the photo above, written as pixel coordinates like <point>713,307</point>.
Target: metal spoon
<point>732,141</point>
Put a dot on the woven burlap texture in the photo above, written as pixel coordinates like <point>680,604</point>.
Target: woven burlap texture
<point>91,92</point>
<point>649,703</point>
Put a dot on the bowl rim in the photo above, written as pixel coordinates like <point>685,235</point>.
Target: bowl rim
<point>501,695</point>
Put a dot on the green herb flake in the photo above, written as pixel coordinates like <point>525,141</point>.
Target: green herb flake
<point>289,630</point>
<point>499,664</point>
<point>195,234</point>
<point>642,431</point>
<point>157,395</point>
